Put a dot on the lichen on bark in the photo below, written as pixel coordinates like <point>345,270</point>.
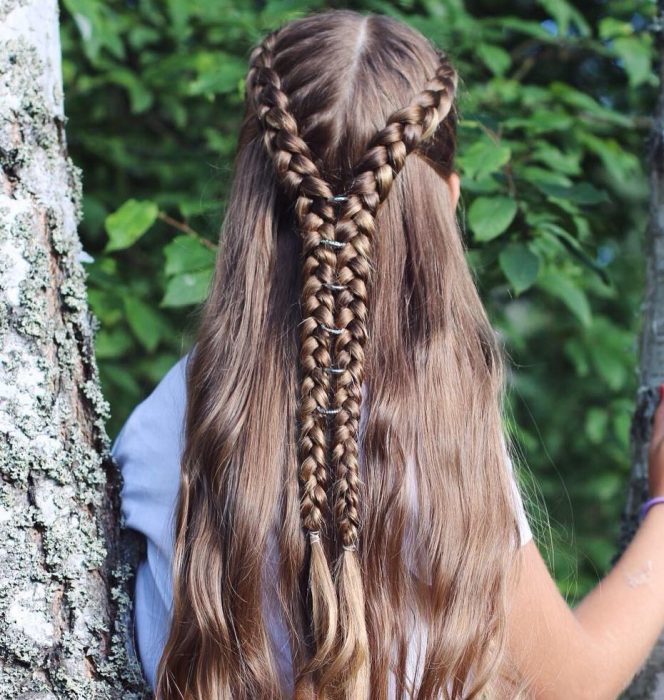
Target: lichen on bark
<point>66,567</point>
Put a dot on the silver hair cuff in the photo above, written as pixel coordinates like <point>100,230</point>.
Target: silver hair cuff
<point>334,370</point>
<point>337,198</point>
<point>334,286</point>
<point>314,536</point>
<point>331,243</point>
<point>350,547</point>
<point>330,329</point>
<point>327,411</point>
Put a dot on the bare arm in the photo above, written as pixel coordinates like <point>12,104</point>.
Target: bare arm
<point>594,649</point>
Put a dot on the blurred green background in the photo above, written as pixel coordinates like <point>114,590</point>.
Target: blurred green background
<point>555,103</point>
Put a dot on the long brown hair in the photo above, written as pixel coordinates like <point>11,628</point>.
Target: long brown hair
<point>330,296</point>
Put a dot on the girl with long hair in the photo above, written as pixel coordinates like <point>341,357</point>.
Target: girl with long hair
<point>324,481</point>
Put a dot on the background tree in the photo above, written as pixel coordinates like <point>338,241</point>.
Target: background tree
<point>649,682</point>
<point>63,597</point>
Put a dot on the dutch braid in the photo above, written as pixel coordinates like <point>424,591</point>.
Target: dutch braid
<point>355,230</point>
<point>300,178</point>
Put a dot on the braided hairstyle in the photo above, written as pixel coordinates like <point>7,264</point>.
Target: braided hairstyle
<point>301,180</point>
<point>336,275</point>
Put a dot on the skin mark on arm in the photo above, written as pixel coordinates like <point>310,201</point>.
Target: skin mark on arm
<point>639,577</point>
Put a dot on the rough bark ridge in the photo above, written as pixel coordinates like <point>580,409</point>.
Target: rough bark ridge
<point>64,606</point>
<point>649,682</point>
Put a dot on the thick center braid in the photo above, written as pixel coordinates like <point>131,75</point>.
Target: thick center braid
<point>356,228</point>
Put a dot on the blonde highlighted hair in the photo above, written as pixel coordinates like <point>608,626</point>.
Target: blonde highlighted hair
<point>341,288</point>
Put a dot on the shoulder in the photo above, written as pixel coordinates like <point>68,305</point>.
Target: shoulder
<point>148,449</point>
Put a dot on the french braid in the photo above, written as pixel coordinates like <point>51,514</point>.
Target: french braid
<point>355,231</point>
<point>315,215</point>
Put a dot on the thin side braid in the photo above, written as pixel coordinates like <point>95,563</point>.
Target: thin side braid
<point>315,215</point>
<point>373,179</point>
<point>356,228</point>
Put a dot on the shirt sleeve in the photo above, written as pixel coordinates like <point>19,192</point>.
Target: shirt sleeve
<point>525,532</point>
<point>147,451</point>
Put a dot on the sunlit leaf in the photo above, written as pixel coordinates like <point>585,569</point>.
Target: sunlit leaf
<point>187,288</point>
<point>128,223</point>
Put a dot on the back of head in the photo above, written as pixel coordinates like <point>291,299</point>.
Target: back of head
<point>344,393</point>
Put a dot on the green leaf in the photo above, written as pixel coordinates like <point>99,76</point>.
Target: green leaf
<point>542,176</point>
<point>491,216</point>
<point>564,15</point>
<point>94,214</point>
<point>610,27</point>
<point>564,162</point>
<point>98,28</point>
<point>496,59</point>
<point>112,344</point>
<point>187,289</point>
<point>520,266</point>
<point>576,353</point>
<point>583,193</point>
<point>560,286</point>
<point>186,254</point>
<point>636,55</point>
<point>622,165</point>
<point>575,248</point>
<point>140,98</point>
<point>105,306</point>
<point>484,157</point>
<point>609,363</point>
<point>621,428</point>
<point>218,72</point>
<point>527,27</point>
<point>542,120</point>
<point>597,420</point>
<point>122,379</point>
<point>587,106</point>
<point>128,223</point>
<point>145,322</point>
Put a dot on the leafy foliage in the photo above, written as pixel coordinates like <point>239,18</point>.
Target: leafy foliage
<point>554,103</point>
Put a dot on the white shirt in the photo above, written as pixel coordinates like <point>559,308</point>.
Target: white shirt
<point>148,451</point>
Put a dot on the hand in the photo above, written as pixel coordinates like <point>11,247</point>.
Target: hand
<point>656,450</point>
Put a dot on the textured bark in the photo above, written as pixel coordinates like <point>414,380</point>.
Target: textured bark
<point>649,682</point>
<point>65,565</point>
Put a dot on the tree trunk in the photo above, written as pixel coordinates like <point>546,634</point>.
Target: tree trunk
<point>649,682</point>
<point>65,565</point>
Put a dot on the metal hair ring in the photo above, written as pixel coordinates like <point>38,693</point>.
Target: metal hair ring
<point>314,536</point>
<point>327,411</point>
<point>330,329</point>
<point>332,244</point>
<point>337,198</point>
<point>334,370</point>
<point>335,287</point>
<point>350,547</point>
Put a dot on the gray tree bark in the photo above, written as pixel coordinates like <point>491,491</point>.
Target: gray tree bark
<point>649,682</point>
<point>65,564</point>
